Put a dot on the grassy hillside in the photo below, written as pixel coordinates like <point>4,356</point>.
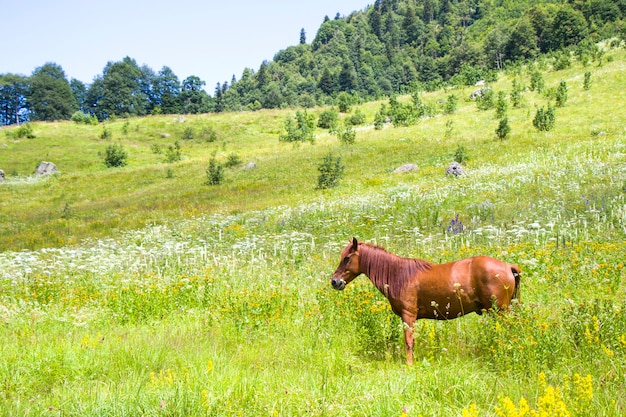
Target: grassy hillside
<point>142,291</point>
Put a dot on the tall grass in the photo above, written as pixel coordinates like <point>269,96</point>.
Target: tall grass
<point>215,300</point>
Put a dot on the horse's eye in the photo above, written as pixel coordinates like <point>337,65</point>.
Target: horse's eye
<point>346,259</point>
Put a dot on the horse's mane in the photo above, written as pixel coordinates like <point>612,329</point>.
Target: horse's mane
<point>388,272</point>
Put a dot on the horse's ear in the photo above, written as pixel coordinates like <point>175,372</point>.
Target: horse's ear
<point>355,245</point>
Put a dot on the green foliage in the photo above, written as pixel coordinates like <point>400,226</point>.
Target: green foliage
<point>25,131</point>
<point>587,81</point>
<point>81,117</point>
<point>503,129</point>
<point>346,134</point>
<point>331,170</point>
<point>402,114</point>
<point>536,81</point>
<point>344,101</point>
<point>214,172</point>
<point>545,118</point>
<point>328,119</point>
<point>381,116</point>
<point>115,156</point>
<point>173,153</point>
<point>461,155</point>
<point>302,129</point>
<point>561,94</point>
<point>516,94</point>
<point>451,104</point>
<point>501,105</point>
<point>562,61</point>
<point>106,133</point>
<point>356,118</point>
<point>486,100</point>
<point>188,133</point>
<point>232,160</point>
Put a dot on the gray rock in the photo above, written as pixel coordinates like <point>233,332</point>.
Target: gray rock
<point>479,93</point>
<point>2,176</point>
<point>250,165</point>
<point>405,168</point>
<point>46,168</point>
<point>455,169</point>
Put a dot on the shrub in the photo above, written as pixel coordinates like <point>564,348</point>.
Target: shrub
<point>299,130</point>
<point>214,172</point>
<point>501,105</point>
<point>328,119</point>
<point>503,129</point>
<point>84,118</point>
<point>209,134</point>
<point>587,82</point>
<point>106,133</point>
<point>357,118</point>
<point>188,133</point>
<point>346,134</point>
<point>232,161</point>
<point>544,119</point>
<point>331,171</point>
<point>461,155</point>
<point>485,101</point>
<point>344,101</point>
<point>173,153</point>
<point>381,117</point>
<point>536,81</point>
<point>451,104</point>
<point>115,156</point>
<point>25,131</point>
<point>561,94</point>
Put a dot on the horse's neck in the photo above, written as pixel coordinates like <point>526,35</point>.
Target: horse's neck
<point>383,269</point>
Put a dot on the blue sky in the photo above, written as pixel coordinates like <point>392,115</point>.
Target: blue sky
<point>211,39</point>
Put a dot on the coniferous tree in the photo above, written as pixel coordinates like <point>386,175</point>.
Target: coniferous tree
<point>302,37</point>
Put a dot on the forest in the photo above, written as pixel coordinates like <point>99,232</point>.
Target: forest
<point>391,47</point>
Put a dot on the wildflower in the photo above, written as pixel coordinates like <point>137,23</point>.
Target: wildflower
<point>471,411</point>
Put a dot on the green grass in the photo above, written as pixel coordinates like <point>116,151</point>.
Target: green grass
<point>132,291</point>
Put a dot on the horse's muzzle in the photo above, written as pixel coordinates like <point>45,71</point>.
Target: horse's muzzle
<point>338,283</point>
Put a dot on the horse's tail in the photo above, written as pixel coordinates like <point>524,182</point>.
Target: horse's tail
<point>517,274</point>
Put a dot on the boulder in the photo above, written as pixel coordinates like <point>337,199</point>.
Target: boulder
<point>479,93</point>
<point>455,169</point>
<point>250,165</point>
<point>46,168</point>
<point>2,176</point>
<point>405,168</point>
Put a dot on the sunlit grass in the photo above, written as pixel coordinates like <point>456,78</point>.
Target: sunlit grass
<point>145,293</point>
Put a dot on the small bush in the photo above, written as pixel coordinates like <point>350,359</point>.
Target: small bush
<point>451,104</point>
<point>331,171</point>
<point>544,119</point>
<point>561,94</point>
<point>485,101</point>
<point>232,161</point>
<point>209,134</point>
<point>106,133</point>
<point>173,153</point>
<point>587,81</point>
<point>301,129</point>
<point>115,156</point>
<point>461,155</point>
<point>188,133</point>
<point>501,105</point>
<point>214,172</point>
<point>347,135</point>
<point>25,131</point>
<point>536,81</point>
<point>381,117</point>
<point>328,119</point>
<point>84,118</point>
<point>503,129</point>
<point>357,118</point>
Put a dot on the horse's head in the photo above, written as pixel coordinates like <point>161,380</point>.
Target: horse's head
<point>348,268</point>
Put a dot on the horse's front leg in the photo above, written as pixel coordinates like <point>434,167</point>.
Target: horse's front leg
<point>408,321</point>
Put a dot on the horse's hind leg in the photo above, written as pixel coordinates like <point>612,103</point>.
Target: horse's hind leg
<point>408,321</point>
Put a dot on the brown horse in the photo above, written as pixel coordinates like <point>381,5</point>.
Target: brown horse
<point>418,289</point>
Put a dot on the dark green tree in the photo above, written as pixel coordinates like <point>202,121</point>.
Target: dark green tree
<point>302,37</point>
<point>50,96</point>
<point>327,82</point>
<point>13,104</point>
<point>79,91</point>
<point>166,89</point>
<point>193,98</point>
<point>347,78</point>
<point>122,90</point>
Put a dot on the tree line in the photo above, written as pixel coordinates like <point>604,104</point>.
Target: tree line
<point>391,47</point>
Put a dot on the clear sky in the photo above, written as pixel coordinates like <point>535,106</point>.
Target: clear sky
<point>211,39</point>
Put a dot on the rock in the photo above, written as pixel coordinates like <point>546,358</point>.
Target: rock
<point>455,169</point>
<point>479,83</point>
<point>250,165</point>
<point>479,93</point>
<point>46,168</point>
<point>2,176</point>
<point>165,135</point>
<point>405,168</point>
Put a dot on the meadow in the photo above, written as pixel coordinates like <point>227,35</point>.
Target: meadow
<point>142,291</point>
